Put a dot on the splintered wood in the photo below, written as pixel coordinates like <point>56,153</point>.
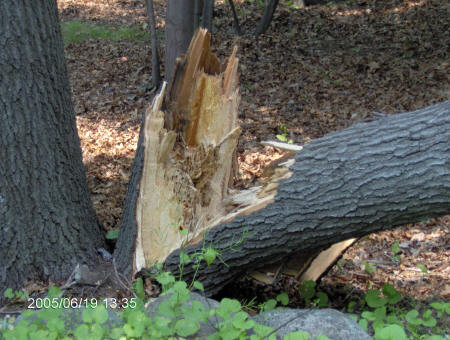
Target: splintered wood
<point>189,153</point>
<point>190,136</point>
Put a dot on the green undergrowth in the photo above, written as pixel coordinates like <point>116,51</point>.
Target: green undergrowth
<point>386,315</point>
<point>77,31</point>
<point>176,320</point>
<point>382,313</point>
<point>380,316</point>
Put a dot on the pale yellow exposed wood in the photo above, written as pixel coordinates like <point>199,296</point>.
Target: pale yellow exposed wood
<point>187,160</point>
<point>325,260</point>
<point>157,209</point>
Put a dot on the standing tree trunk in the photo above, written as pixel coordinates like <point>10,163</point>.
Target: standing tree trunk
<point>237,27</point>
<point>47,221</point>
<point>156,76</point>
<point>269,10</point>
<point>179,31</point>
<point>198,9</point>
<point>207,14</point>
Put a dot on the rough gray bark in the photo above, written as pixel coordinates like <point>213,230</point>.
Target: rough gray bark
<point>370,177</point>
<point>269,10</point>
<point>128,227</point>
<point>179,31</point>
<point>156,75</point>
<point>47,222</point>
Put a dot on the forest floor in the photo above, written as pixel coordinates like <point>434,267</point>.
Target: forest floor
<point>317,69</point>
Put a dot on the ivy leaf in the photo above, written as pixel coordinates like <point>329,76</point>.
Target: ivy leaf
<point>82,332</point>
<point>283,298</point>
<point>228,306</point>
<point>411,318</point>
<point>139,288</point>
<point>391,332</point>
<point>8,293</point>
<point>96,331</point>
<point>198,285</point>
<point>307,289</point>
<point>186,328</point>
<point>262,330</point>
<point>87,315</point>
<point>240,322</point>
<point>184,258</point>
<point>363,324</point>
<point>322,299</point>
<point>392,294</point>
<point>100,314</point>
<point>210,255</point>
<point>165,308</point>
<point>269,305</point>
<point>374,300</point>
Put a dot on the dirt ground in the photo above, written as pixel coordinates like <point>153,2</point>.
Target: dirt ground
<point>318,69</point>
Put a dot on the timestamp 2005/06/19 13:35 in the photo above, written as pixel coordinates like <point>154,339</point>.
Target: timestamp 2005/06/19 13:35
<point>113,303</point>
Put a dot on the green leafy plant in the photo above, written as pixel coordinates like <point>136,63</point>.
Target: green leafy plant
<point>178,319</point>
<point>441,307</point>
<point>390,332</point>
<point>283,137</point>
<point>389,322</point>
<point>415,322</point>
<point>15,295</point>
<point>381,302</point>
<point>271,304</point>
<point>396,251</point>
<point>368,268</point>
<point>308,292</point>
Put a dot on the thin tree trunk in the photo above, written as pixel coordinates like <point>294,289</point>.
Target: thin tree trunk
<point>156,75</point>
<point>207,15</point>
<point>47,221</point>
<point>265,21</point>
<point>235,18</point>
<point>179,31</point>
<point>198,8</point>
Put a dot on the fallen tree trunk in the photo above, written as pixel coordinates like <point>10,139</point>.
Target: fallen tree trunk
<point>370,177</point>
<point>373,176</point>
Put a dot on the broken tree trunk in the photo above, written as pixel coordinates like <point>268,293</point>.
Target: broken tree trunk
<point>373,176</point>
<point>184,163</point>
<point>370,177</point>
